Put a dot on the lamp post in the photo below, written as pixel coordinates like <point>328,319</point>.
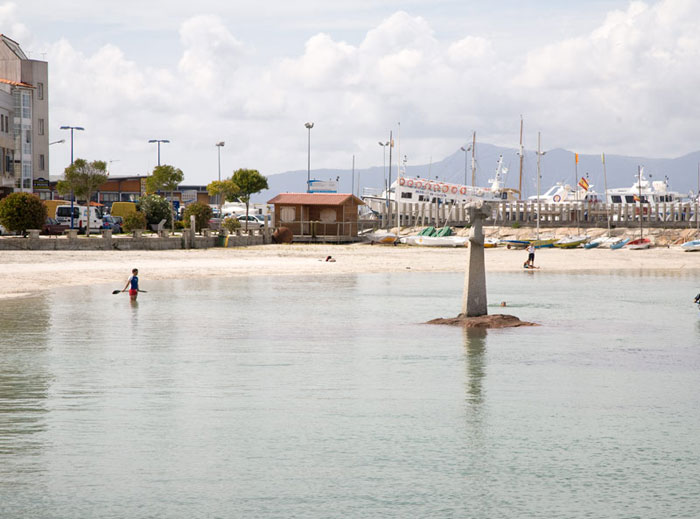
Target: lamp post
<point>57,142</point>
<point>219,145</point>
<point>158,141</point>
<point>72,197</point>
<point>308,166</point>
<point>465,150</point>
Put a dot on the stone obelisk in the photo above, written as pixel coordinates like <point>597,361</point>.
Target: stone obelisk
<point>474,298</point>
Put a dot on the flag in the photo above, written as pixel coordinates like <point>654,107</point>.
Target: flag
<point>602,156</point>
<point>583,183</point>
<point>576,158</point>
<point>636,198</point>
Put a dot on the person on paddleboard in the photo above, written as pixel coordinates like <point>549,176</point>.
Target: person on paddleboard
<point>134,282</point>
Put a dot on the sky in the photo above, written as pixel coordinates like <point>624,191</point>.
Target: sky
<point>597,75</point>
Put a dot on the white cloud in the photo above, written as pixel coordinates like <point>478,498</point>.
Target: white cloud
<point>627,86</point>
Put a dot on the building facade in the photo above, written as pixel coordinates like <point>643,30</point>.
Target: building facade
<point>24,119</point>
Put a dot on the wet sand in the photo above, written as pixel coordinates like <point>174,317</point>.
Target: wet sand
<point>24,273</point>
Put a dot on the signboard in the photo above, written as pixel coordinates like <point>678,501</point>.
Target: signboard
<point>41,183</point>
<point>189,195</point>
<point>323,186</point>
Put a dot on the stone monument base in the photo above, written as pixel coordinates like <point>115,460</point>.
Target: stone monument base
<point>483,321</point>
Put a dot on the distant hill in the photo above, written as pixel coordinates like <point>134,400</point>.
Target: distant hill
<point>558,165</point>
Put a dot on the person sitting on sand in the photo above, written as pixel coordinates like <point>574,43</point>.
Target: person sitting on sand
<point>134,282</point>
<point>697,299</point>
<point>330,259</point>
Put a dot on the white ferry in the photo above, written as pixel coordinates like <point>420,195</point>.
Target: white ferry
<point>424,190</point>
<point>643,191</point>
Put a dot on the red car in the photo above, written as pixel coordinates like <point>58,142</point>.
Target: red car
<point>51,226</point>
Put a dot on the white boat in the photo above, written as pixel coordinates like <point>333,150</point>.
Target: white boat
<point>564,193</point>
<point>692,245</point>
<point>387,238</point>
<point>424,190</point>
<point>644,191</point>
<point>436,241</point>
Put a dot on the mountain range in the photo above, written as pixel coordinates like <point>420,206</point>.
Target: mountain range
<point>557,165</point>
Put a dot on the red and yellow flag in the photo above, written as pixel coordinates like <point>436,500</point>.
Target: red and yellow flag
<point>583,183</point>
<point>636,198</point>
<point>576,157</point>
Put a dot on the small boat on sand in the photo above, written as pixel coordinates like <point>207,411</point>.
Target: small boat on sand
<point>639,244</point>
<point>602,241</point>
<point>435,241</point>
<point>692,245</point>
<point>621,242</point>
<point>571,242</point>
<point>491,243</point>
<point>387,238</point>
<point>515,244</point>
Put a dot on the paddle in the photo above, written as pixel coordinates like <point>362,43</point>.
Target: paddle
<point>114,292</point>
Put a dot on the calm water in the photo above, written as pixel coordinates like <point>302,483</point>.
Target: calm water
<point>326,398</point>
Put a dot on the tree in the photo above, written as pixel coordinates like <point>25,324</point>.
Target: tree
<point>165,178</point>
<point>225,189</point>
<point>22,211</point>
<point>156,208</point>
<point>201,212</point>
<point>83,178</point>
<point>249,182</point>
<point>135,220</point>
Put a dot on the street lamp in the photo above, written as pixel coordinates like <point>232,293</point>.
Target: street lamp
<point>465,150</point>
<point>308,167</point>
<point>57,142</point>
<point>158,141</point>
<point>384,145</point>
<point>72,196</point>
<point>219,145</point>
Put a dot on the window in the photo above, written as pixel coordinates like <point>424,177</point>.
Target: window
<point>28,136</point>
<point>42,162</point>
<point>41,127</point>
<point>2,123</point>
<point>406,194</point>
<point>7,124</point>
<point>287,214</point>
<point>40,91</point>
<point>616,199</point>
<point>328,215</point>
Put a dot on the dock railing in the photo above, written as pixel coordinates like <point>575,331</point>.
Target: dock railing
<point>526,213</point>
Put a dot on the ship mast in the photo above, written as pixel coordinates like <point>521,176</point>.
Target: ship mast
<point>473,159</point>
<point>539,156</point>
<point>605,179</point>
<point>520,183</point>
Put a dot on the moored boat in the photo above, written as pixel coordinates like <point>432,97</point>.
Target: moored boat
<point>639,244</point>
<point>387,238</point>
<point>571,242</point>
<point>436,241</point>
<point>692,245</point>
<point>621,242</point>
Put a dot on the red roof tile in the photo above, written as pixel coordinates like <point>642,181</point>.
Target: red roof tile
<point>315,199</point>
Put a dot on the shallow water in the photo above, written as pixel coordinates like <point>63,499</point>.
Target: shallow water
<point>326,397</point>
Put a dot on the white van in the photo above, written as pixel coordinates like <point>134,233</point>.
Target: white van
<point>80,217</point>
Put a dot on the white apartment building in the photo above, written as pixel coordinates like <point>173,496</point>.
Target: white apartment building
<point>24,119</point>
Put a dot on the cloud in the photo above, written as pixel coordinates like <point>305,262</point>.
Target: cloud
<point>625,86</point>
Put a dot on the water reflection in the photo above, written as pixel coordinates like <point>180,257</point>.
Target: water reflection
<point>24,376</point>
<point>475,348</point>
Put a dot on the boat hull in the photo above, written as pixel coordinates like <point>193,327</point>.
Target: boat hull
<point>691,246</point>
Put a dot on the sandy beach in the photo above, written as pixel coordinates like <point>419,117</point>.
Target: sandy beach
<point>24,273</point>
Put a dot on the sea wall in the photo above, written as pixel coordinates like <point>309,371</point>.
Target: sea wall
<point>128,242</point>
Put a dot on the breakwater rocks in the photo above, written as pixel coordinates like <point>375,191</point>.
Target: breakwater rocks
<point>483,321</point>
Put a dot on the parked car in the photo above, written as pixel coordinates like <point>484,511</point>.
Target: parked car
<point>252,222</point>
<point>51,226</point>
<point>110,222</point>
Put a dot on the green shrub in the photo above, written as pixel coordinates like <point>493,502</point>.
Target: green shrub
<point>201,212</point>
<point>516,225</point>
<point>22,211</point>
<point>134,221</point>
<point>156,208</point>
<point>179,225</point>
<point>231,224</point>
